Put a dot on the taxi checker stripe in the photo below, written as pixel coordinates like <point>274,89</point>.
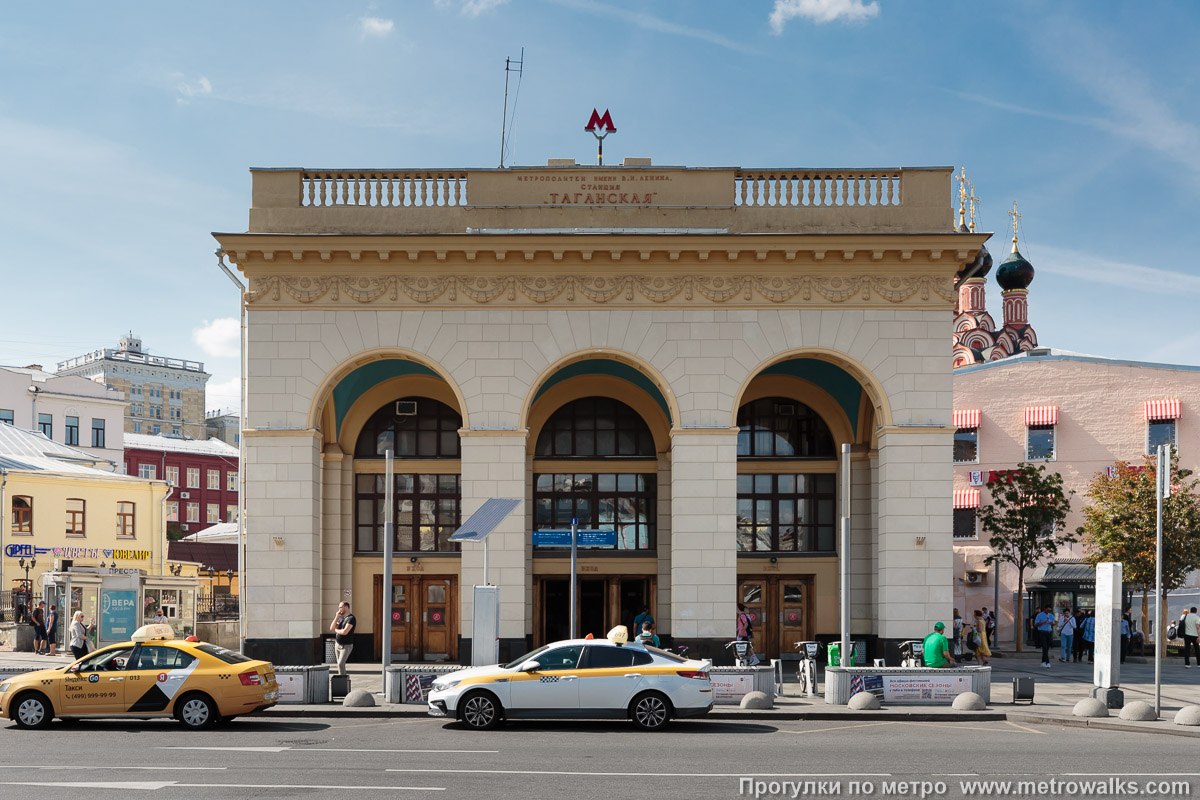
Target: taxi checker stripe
<point>549,678</point>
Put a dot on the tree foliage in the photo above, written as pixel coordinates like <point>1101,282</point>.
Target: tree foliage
<point>1027,504</point>
<point>1120,523</point>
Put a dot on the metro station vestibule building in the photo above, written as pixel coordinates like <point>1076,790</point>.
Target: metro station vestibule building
<point>678,353</point>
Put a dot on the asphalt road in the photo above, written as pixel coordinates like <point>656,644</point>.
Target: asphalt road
<point>580,760</point>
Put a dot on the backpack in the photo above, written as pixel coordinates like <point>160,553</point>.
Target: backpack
<point>1172,632</point>
<point>749,626</point>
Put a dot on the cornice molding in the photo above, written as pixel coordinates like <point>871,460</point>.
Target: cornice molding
<point>572,289</point>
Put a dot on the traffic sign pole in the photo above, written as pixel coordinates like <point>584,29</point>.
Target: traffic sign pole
<point>389,537</point>
<point>1162,490</point>
<point>574,565</point>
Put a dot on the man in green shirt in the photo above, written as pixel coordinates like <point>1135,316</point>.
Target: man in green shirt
<point>937,649</point>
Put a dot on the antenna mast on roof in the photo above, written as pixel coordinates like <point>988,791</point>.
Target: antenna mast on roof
<point>510,66</point>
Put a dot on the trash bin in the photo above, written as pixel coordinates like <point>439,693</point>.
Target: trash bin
<point>330,652</point>
<point>293,684</point>
<point>318,684</point>
<point>857,657</point>
<point>339,686</point>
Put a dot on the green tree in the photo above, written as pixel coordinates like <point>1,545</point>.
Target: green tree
<point>1024,523</point>
<point>1120,524</point>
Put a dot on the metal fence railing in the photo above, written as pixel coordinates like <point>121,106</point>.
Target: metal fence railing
<point>15,605</point>
<point>211,607</point>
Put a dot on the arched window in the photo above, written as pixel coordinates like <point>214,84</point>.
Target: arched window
<point>415,427</point>
<point>789,509</point>
<point>779,427</point>
<point>427,506</point>
<point>595,427</point>
<point>622,498</point>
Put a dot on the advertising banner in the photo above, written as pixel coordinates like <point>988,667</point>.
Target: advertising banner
<point>729,688</point>
<point>924,688</point>
<point>118,614</point>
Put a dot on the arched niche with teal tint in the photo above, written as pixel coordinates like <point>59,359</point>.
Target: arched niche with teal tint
<point>366,377</point>
<point>612,368</point>
<point>843,387</point>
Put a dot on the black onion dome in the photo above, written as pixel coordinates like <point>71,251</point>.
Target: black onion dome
<point>982,264</point>
<point>1015,272</point>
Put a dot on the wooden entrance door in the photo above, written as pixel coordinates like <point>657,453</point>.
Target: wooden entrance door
<point>423,620</point>
<point>780,607</point>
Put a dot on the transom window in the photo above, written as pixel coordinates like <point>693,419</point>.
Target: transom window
<point>595,427</point>
<point>786,513</point>
<point>428,508</point>
<point>414,427</point>
<point>621,501</point>
<point>779,427</point>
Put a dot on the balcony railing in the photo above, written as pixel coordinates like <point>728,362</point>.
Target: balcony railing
<point>387,189</point>
<point>817,188</point>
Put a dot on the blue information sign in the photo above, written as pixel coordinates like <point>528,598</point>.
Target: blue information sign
<point>118,614</point>
<point>587,537</point>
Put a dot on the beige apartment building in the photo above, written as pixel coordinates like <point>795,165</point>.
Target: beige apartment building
<point>674,353</point>
<point>163,395</point>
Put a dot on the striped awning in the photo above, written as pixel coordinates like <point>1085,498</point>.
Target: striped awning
<point>966,498</point>
<point>966,418</point>
<point>1041,415</point>
<point>1163,409</point>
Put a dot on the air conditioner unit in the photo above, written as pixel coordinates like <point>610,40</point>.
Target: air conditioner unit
<point>785,409</point>
<point>976,578</point>
<point>406,408</point>
<point>183,527</point>
<point>184,495</point>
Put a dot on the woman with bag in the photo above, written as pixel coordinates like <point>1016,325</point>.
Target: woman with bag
<point>981,631</point>
<point>1066,632</point>
<point>79,635</point>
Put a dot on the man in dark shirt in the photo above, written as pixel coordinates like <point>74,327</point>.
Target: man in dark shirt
<point>343,635</point>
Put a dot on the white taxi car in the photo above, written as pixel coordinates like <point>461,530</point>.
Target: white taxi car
<point>578,678</point>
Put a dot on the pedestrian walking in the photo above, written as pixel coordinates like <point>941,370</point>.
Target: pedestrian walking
<point>1089,636</point>
<point>648,636</point>
<point>79,635</point>
<point>1066,635</point>
<point>1077,645</point>
<point>1188,624</point>
<point>1126,632</point>
<point>1043,624</point>
<point>38,620</point>
<point>343,626</point>
<point>957,632</point>
<point>641,619</point>
<point>981,630</point>
<point>52,630</point>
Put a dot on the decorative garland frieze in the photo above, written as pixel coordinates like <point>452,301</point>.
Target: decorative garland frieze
<point>571,289</point>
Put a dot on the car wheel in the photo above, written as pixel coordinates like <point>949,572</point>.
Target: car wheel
<point>650,711</point>
<point>480,711</point>
<point>31,710</point>
<point>196,711</point>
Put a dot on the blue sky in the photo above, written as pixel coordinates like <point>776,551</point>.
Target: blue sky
<point>127,130</point>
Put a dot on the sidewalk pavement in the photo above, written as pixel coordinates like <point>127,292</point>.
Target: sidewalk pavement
<point>1056,691</point>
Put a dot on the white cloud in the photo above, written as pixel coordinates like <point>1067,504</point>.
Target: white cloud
<point>375,27</point>
<point>821,11</point>
<point>191,88</point>
<point>471,8</point>
<point>1129,277</point>
<point>224,395</point>
<point>219,338</point>
<point>648,22</point>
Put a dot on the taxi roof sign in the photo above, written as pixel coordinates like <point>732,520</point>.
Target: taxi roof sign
<point>618,635</point>
<point>148,633</point>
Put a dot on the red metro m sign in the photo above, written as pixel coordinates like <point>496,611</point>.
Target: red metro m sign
<point>600,126</point>
<point>602,122</point>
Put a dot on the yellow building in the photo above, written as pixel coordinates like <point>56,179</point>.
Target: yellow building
<point>64,514</point>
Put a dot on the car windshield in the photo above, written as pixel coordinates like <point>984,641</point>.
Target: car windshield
<point>526,657</point>
<point>228,656</point>
<point>665,654</point>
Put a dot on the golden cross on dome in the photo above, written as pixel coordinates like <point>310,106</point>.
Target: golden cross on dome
<point>962,196</point>
<point>1015,216</point>
<point>973,200</point>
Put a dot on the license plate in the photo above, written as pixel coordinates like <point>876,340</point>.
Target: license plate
<point>271,696</point>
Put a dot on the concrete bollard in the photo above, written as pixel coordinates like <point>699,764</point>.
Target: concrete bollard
<point>1138,711</point>
<point>863,701</point>
<point>755,700</point>
<point>969,701</point>
<point>358,698</point>
<point>1188,715</point>
<point>1090,707</point>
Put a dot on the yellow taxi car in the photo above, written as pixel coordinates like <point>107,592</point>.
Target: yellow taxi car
<point>152,675</point>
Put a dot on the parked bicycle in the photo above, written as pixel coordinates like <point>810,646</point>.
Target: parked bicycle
<point>912,653</point>
<point>743,653</point>
<point>806,672</point>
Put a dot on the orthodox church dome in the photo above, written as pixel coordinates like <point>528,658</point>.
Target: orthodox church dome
<point>1015,272</point>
